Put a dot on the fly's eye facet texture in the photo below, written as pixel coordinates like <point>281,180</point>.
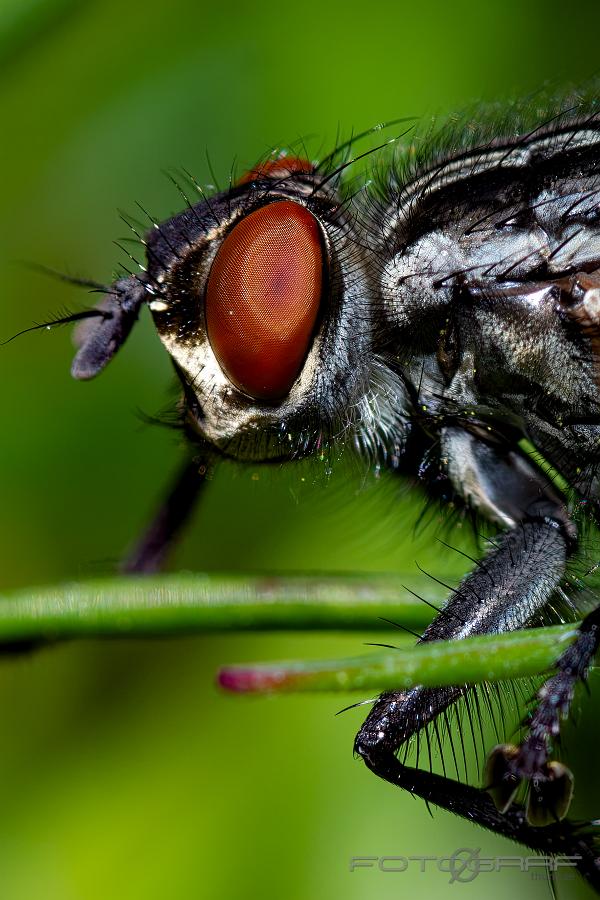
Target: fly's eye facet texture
<point>263,296</point>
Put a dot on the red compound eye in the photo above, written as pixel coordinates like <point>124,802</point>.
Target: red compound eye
<point>263,296</point>
<point>278,168</point>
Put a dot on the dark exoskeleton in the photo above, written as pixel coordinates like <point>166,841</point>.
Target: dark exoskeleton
<point>448,316</point>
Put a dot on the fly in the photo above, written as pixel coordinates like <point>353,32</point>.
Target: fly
<point>433,322</point>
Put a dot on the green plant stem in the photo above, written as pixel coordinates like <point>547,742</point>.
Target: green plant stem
<point>472,660</point>
<point>186,603</point>
<point>192,603</point>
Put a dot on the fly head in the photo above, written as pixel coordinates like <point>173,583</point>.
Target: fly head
<point>261,295</point>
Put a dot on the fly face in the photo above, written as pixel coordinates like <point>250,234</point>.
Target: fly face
<point>263,304</point>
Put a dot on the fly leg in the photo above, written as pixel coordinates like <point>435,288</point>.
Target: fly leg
<point>550,783</point>
<point>509,587</point>
<point>518,576</point>
<point>150,552</point>
<point>577,843</point>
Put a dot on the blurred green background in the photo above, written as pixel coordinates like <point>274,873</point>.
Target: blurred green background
<point>123,772</point>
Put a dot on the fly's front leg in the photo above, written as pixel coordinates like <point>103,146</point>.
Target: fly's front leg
<point>150,552</point>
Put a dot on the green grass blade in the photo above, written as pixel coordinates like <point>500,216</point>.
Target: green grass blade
<point>468,661</point>
<point>186,603</point>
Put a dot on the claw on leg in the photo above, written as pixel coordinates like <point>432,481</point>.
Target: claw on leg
<point>550,795</point>
<point>550,785</point>
<point>500,780</point>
